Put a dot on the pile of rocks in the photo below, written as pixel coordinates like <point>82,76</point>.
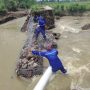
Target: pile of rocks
<point>28,64</point>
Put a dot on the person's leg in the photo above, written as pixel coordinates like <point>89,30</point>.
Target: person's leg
<point>37,33</point>
<point>63,70</point>
<point>43,33</point>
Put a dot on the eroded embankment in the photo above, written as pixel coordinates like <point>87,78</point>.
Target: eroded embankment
<point>12,15</point>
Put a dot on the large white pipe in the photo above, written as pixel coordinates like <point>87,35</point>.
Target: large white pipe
<point>44,79</point>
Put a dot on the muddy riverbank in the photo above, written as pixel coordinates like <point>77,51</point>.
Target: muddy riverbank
<point>12,15</point>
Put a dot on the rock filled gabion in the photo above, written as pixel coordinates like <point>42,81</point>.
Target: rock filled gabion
<point>28,64</point>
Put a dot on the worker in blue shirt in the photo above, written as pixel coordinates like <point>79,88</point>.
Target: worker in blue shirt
<point>41,27</point>
<point>52,56</point>
<point>35,18</point>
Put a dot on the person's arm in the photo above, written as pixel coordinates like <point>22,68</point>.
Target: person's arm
<point>39,53</point>
<point>56,51</point>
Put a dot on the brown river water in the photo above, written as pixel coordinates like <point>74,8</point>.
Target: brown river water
<point>74,51</point>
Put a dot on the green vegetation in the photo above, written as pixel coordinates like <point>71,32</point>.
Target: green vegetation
<point>14,5</point>
<point>60,8</point>
<point>10,5</point>
<point>2,7</point>
<point>65,8</point>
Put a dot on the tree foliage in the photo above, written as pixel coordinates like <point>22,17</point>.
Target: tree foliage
<point>2,7</point>
<point>10,5</point>
<point>25,3</point>
<point>13,5</point>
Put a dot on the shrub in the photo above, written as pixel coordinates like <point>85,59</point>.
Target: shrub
<point>2,8</point>
<point>11,5</point>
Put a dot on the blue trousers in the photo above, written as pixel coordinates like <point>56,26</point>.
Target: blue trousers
<point>40,30</point>
<point>62,69</point>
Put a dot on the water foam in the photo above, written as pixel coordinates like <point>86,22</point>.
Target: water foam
<point>79,76</point>
<point>76,49</point>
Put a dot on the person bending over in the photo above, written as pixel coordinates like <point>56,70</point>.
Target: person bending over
<point>52,55</point>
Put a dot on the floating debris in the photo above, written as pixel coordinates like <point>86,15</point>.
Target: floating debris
<point>86,27</point>
<point>56,35</point>
<point>57,17</point>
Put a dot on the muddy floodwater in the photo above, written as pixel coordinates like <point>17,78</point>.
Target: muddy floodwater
<point>74,48</point>
<point>11,42</point>
<point>74,51</point>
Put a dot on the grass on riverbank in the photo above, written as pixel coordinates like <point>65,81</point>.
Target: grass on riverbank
<point>60,8</point>
<point>65,8</point>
